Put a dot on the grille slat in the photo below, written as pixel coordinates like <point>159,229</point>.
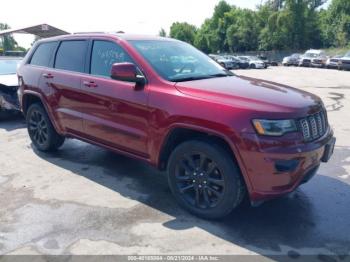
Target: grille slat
<point>314,126</point>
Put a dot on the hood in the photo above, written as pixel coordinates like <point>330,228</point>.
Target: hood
<point>252,94</point>
<point>9,80</point>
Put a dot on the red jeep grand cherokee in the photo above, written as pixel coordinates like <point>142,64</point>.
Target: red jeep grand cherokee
<point>219,136</point>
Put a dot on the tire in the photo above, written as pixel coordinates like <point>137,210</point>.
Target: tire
<point>41,131</point>
<point>218,183</point>
<point>252,66</point>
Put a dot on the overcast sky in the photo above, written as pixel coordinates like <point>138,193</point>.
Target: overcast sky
<point>131,16</point>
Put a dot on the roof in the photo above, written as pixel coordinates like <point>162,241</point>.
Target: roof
<point>42,30</point>
<point>126,37</point>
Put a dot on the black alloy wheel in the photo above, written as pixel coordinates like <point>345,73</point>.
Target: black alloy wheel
<point>40,129</point>
<point>205,179</point>
<point>199,180</point>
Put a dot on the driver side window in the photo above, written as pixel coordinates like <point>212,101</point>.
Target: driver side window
<point>104,55</point>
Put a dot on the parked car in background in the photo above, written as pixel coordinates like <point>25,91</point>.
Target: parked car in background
<point>224,61</point>
<point>15,53</point>
<point>320,60</point>
<point>267,61</point>
<point>219,136</point>
<point>333,62</point>
<point>8,85</point>
<point>344,62</point>
<point>254,62</point>
<point>293,59</point>
<point>239,62</point>
<point>307,58</point>
<point>227,63</point>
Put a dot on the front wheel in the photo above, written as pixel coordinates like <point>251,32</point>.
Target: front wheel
<point>205,180</point>
<point>41,131</point>
<point>253,66</point>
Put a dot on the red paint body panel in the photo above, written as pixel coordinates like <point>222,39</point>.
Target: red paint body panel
<point>136,122</point>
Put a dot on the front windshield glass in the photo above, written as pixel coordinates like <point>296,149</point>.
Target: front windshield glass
<point>311,55</point>
<point>177,61</point>
<point>8,67</point>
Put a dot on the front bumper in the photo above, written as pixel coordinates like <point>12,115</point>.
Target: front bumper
<point>317,64</point>
<point>274,167</point>
<point>305,63</point>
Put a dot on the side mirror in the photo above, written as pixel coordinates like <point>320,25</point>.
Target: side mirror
<point>127,72</point>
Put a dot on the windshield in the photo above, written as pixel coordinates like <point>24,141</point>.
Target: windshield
<point>177,61</point>
<point>244,58</point>
<point>8,67</point>
<point>311,55</point>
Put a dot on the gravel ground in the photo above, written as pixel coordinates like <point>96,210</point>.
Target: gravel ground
<point>87,200</point>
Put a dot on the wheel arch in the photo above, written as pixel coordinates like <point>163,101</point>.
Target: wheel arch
<point>30,98</point>
<point>179,134</point>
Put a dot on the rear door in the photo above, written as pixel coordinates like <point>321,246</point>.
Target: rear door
<point>114,112</point>
<point>63,81</point>
<point>31,72</point>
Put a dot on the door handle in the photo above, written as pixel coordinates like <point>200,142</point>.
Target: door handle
<point>48,76</point>
<point>89,84</point>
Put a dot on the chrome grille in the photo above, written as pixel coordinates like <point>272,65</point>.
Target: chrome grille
<point>313,126</point>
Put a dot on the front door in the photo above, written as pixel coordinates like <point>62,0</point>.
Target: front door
<point>114,112</point>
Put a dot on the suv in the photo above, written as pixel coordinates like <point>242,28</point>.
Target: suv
<point>219,136</point>
<point>314,58</point>
<point>344,62</point>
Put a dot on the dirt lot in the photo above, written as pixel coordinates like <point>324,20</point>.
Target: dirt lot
<point>86,200</point>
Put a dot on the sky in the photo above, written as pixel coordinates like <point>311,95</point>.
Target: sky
<point>130,16</point>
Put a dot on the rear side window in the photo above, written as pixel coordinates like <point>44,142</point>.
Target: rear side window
<point>104,55</point>
<point>43,54</point>
<point>71,56</point>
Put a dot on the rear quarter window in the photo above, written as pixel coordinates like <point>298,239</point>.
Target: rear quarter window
<point>71,55</point>
<point>43,54</point>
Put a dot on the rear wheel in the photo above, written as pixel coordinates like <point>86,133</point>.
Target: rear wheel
<point>41,131</point>
<point>205,179</point>
<point>253,66</point>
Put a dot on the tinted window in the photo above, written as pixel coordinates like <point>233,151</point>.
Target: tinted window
<point>71,56</point>
<point>104,55</point>
<point>43,54</point>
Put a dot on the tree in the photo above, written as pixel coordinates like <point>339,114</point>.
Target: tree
<point>242,33</point>
<point>9,43</point>
<point>335,23</point>
<point>162,32</point>
<point>183,31</point>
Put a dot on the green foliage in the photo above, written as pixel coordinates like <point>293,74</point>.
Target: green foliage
<point>8,42</point>
<point>162,32</point>
<point>275,25</point>
<point>183,31</point>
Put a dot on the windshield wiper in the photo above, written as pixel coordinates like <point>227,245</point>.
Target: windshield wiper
<point>221,75</point>
<point>192,78</point>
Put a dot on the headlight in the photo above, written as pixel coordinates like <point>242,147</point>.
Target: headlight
<point>274,127</point>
